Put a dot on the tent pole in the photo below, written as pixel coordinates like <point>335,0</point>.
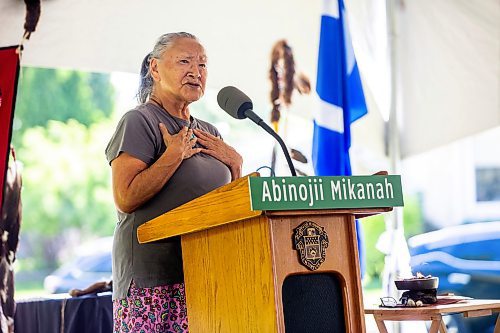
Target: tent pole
<point>395,264</point>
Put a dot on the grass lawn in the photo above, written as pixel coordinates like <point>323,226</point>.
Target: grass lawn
<point>28,289</point>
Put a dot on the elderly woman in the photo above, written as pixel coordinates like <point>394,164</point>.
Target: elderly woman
<point>161,157</point>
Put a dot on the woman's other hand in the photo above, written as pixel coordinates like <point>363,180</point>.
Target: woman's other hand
<point>217,148</point>
<point>181,143</point>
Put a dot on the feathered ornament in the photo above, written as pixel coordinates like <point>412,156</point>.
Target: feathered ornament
<point>284,80</point>
<point>33,10</point>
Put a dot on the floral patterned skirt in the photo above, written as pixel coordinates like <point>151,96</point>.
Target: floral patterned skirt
<point>160,309</point>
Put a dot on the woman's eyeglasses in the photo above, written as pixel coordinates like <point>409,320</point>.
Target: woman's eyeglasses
<point>389,302</point>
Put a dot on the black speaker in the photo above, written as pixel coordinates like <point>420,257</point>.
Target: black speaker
<point>312,303</point>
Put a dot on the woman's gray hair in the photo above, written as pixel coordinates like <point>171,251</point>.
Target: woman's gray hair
<point>163,43</point>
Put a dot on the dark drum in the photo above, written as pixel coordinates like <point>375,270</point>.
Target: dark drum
<point>417,283</point>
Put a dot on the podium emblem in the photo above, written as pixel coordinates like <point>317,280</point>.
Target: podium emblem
<point>310,240</point>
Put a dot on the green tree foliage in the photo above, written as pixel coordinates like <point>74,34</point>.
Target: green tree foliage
<point>66,186</point>
<point>60,128</point>
<point>50,94</point>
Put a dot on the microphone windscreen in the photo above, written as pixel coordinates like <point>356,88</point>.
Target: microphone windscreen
<point>234,102</point>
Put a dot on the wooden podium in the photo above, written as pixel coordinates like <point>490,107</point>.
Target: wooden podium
<point>236,260</point>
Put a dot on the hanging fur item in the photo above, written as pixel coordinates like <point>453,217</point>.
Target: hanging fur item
<point>33,10</point>
<point>281,74</point>
<point>10,223</point>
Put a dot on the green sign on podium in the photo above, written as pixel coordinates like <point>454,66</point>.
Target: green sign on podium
<point>295,193</point>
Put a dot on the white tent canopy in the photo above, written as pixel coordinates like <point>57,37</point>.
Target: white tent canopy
<point>115,35</point>
<point>449,70</point>
<point>448,50</point>
<point>447,66</point>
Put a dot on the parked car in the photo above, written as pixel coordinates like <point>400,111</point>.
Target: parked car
<point>92,264</point>
<point>466,258</point>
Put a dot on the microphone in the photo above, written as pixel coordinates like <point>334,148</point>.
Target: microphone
<point>239,106</point>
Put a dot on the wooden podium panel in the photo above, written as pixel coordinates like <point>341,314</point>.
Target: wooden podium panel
<point>229,278</point>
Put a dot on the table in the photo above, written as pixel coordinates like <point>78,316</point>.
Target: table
<point>434,313</point>
<point>64,314</point>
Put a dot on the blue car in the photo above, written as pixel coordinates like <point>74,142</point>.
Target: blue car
<point>92,264</point>
<point>466,258</point>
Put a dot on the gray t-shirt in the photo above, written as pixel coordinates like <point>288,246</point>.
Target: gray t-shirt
<point>160,262</point>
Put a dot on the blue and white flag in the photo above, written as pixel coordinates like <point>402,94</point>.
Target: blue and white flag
<point>341,98</point>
